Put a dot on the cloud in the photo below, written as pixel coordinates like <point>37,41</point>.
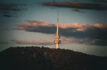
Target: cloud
<point>9,7</point>
<point>64,40</point>
<point>104,1</point>
<point>35,42</point>
<point>80,5</point>
<point>5,15</point>
<point>3,42</point>
<point>81,33</point>
<point>6,8</point>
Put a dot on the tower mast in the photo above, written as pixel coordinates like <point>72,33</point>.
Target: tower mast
<point>57,32</point>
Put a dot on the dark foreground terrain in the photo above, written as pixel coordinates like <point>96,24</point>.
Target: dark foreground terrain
<point>35,58</point>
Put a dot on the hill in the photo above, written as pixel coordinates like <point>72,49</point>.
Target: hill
<point>36,58</point>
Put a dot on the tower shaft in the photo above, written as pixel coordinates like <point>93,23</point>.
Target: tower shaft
<point>57,46</point>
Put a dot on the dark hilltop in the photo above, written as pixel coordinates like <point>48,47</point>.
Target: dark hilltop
<point>36,58</point>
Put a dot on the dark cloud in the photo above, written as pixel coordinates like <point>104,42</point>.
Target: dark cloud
<point>88,33</point>
<point>9,7</point>
<point>7,16</point>
<point>6,8</point>
<point>80,5</point>
<point>103,1</point>
<point>3,42</point>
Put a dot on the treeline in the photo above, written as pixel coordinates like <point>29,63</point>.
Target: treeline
<point>36,58</point>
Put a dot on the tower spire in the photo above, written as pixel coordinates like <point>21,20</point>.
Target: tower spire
<point>57,24</point>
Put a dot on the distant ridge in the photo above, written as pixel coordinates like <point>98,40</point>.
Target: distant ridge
<point>36,58</point>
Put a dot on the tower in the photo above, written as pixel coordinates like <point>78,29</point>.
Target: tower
<point>57,41</point>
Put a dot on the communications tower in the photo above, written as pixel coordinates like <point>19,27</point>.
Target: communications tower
<point>57,38</point>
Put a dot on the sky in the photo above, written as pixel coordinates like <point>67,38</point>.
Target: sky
<point>29,20</point>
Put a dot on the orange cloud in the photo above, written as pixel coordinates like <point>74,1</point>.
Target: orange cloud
<point>77,26</point>
<point>103,26</point>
